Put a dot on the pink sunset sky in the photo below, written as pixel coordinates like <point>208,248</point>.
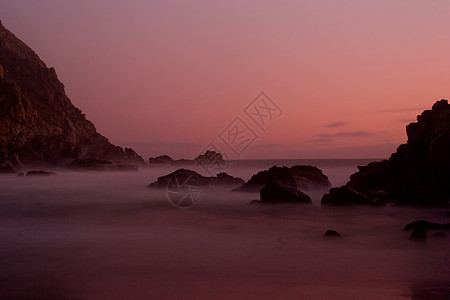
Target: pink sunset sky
<point>167,77</point>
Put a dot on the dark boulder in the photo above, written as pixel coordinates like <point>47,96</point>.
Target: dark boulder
<point>302,178</point>
<point>343,196</point>
<point>211,161</point>
<point>276,192</point>
<point>184,175</point>
<point>332,234</point>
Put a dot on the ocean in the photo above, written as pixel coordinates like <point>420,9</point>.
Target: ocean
<point>105,235</point>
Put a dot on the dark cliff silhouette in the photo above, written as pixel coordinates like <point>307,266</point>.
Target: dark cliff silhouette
<point>38,122</point>
<point>417,174</point>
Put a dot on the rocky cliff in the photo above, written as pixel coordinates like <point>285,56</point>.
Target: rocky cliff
<point>417,174</point>
<point>38,122</point>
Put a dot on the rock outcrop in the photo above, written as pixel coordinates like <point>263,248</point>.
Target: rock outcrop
<point>38,122</point>
<point>301,178</point>
<point>276,192</point>
<point>183,175</point>
<point>418,173</point>
<point>343,196</point>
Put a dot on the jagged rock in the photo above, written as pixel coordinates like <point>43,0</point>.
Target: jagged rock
<point>276,192</point>
<point>223,179</point>
<point>38,122</point>
<point>418,173</point>
<point>40,173</point>
<point>343,196</point>
<point>332,234</point>
<point>183,175</point>
<point>302,178</point>
<point>211,159</point>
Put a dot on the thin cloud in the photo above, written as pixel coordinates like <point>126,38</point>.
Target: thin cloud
<point>328,138</point>
<point>345,134</point>
<point>335,124</point>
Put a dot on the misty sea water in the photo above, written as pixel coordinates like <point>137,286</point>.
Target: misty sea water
<point>105,235</point>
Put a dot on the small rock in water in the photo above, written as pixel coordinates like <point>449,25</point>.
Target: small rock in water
<point>332,233</point>
<point>40,173</point>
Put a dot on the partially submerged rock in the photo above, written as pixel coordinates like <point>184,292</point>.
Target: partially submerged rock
<point>39,173</point>
<point>332,234</point>
<point>302,178</point>
<point>183,175</point>
<point>419,229</point>
<point>343,196</point>
<point>276,192</point>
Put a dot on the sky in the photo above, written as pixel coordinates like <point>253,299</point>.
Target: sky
<point>253,79</point>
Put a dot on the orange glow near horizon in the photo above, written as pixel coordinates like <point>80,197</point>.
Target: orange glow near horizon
<point>166,77</point>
